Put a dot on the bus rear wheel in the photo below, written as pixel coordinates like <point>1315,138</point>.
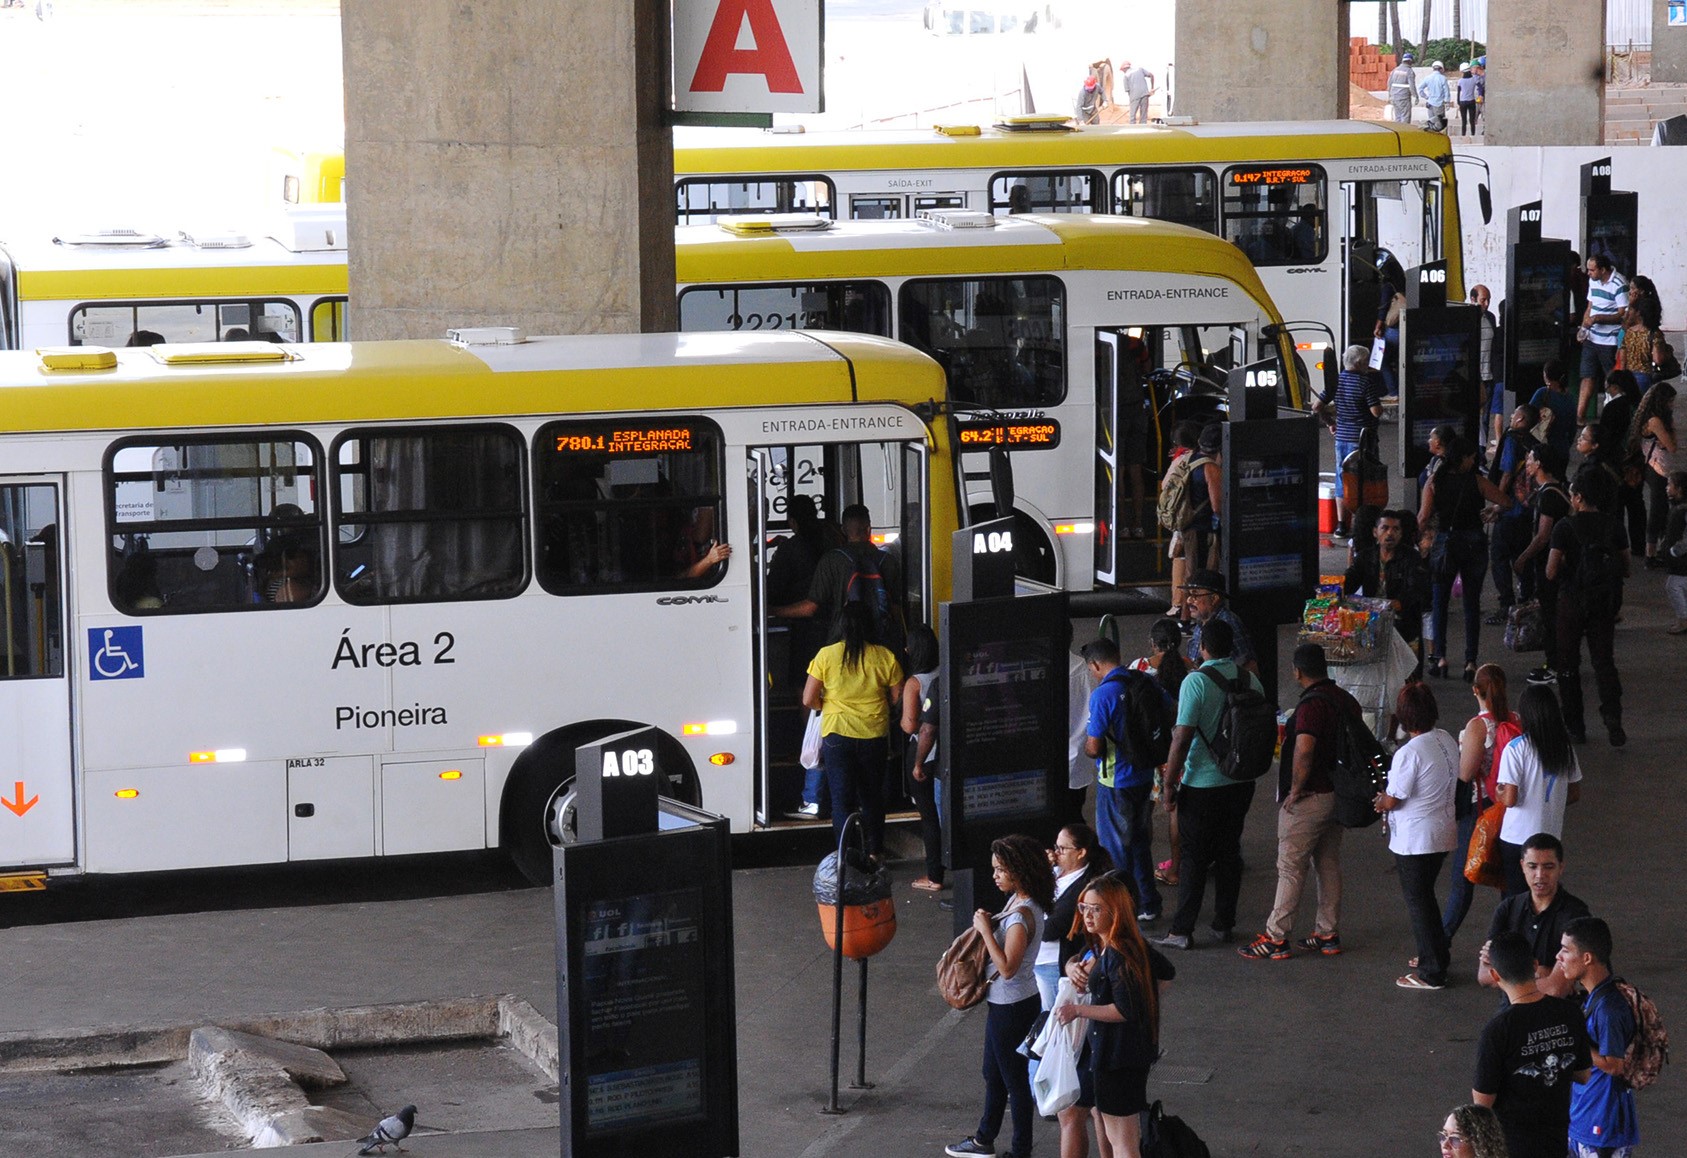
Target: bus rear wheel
<point>538,811</point>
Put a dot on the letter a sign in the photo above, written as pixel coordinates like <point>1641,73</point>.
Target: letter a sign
<point>747,56</point>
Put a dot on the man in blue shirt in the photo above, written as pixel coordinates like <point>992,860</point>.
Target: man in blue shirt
<point>1602,1115</point>
<point>1124,805</point>
<point>1358,410</point>
<point>1211,808</point>
<point>1554,397</point>
<point>1436,92</point>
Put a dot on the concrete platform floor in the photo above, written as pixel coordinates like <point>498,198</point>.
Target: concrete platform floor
<point>1311,1055</point>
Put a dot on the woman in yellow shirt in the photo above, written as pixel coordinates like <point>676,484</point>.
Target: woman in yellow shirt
<point>852,684</point>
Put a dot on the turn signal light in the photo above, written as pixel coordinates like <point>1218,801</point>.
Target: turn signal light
<point>219,756</point>
<point>128,793</point>
<point>451,774</point>
<point>722,759</point>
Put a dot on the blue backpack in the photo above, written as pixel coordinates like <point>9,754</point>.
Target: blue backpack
<point>866,585</point>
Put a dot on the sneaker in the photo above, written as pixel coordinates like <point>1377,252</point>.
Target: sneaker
<point>1173,941</point>
<point>1542,675</point>
<point>1147,918</point>
<point>969,1145</point>
<point>1263,948</point>
<point>1328,946</point>
<point>804,812</point>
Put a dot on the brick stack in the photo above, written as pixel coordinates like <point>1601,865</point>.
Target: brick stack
<point>1367,66</point>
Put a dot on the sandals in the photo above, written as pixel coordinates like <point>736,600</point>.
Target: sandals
<point>1163,873</point>
<point>1413,981</point>
<point>926,884</point>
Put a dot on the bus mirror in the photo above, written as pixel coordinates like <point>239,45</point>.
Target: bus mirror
<point>1485,199</point>
<point>1001,481</point>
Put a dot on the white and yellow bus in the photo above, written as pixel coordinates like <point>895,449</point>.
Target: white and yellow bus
<point>103,287</point>
<point>1309,202</point>
<point>268,603</point>
<point>1072,342</point>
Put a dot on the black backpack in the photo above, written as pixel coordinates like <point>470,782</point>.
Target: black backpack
<point>1360,768</point>
<point>1247,728</point>
<point>1147,734</point>
<point>1168,1136</point>
<point>866,584</point>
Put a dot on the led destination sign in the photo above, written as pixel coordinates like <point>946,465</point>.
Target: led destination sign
<point>1010,433</point>
<point>1301,176</point>
<point>614,440</point>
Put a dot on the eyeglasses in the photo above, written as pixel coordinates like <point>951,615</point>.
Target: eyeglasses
<point>1065,848</point>
<point>1083,908</point>
<point>1447,1139</point>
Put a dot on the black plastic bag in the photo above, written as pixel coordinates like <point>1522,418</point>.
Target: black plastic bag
<point>862,884</point>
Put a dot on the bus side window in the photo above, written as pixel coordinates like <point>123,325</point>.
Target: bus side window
<point>629,505</point>
<point>436,514</point>
<point>1277,215</point>
<point>112,323</point>
<point>198,521</point>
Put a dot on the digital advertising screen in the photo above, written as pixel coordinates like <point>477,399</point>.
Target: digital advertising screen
<point>1441,351</point>
<point>1003,731</point>
<point>1611,228</point>
<point>1271,505</point>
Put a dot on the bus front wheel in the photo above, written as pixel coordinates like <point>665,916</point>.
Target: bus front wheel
<point>538,811</point>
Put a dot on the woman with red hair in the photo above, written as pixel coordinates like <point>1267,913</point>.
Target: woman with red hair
<point>1124,1012</point>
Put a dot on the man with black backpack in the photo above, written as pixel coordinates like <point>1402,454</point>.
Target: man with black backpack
<point>1221,742</point>
<point>1129,734</point>
<point>858,571</point>
<point>1308,831</point>
<point>1588,561</point>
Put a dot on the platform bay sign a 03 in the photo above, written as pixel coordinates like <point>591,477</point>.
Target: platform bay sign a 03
<point>747,56</point>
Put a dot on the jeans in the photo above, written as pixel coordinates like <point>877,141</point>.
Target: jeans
<point>855,770</point>
<point>1575,622</point>
<point>1308,837</point>
<point>1048,982</point>
<point>1417,883</point>
<point>1675,586</point>
<point>1343,449</point>
<point>1007,1080</point>
<point>1210,824</point>
<point>1467,553</point>
<point>1547,591</point>
<point>814,783</point>
<point>1124,823</point>
<point>1460,892</point>
<point>1511,859</point>
<point>1657,510</point>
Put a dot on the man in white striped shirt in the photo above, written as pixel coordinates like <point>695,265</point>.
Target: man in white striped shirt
<point>1603,321</point>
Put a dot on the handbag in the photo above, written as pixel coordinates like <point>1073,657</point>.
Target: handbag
<point>810,756</point>
<point>1167,1136</point>
<point>963,972</point>
<point>1524,630</point>
<point>1482,862</point>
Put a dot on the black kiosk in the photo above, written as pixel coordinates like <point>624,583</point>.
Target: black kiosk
<point>1538,322</point>
<point>1441,344</point>
<point>646,1020</point>
<point>1610,219</point>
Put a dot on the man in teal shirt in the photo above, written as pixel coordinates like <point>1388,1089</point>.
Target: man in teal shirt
<point>1211,808</point>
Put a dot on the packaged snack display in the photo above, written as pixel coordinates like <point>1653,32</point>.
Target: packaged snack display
<point>1350,630</point>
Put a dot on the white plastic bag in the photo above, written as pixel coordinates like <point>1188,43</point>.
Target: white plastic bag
<point>810,755</point>
<point>1379,351</point>
<point>1056,1081</point>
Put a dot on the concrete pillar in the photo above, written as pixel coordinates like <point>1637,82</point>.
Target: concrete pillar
<point>1546,73</point>
<point>1266,60</point>
<point>507,163</point>
<point>1669,47</point>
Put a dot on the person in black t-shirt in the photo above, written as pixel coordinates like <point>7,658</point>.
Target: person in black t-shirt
<point>1551,505</point>
<point>1529,1055</point>
<point>1589,560</point>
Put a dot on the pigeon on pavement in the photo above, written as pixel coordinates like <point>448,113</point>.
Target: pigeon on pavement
<point>391,1131</point>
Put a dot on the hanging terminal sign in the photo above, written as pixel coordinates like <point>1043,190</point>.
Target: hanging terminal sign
<point>1008,433</point>
<point>612,440</point>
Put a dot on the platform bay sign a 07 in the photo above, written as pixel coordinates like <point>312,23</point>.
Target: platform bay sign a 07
<point>747,56</point>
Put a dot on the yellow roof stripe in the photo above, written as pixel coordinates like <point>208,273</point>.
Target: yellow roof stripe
<point>78,285</point>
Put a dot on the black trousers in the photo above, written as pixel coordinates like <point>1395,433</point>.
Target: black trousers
<point>1210,824</point>
<point>1417,884</point>
<point>1599,628</point>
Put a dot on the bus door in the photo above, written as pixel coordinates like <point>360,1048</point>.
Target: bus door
<point>890,478</point>
<point>37,821</point>
<point>1131,440</point>
<point>1384,220</point>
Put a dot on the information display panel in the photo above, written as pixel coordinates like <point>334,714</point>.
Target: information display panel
<point>1441,351</point>
<point>1611,228</point>
<point>981,432</point>
<point>1271,494</point>
<point>646,1019</point>
<point>1003,712</point>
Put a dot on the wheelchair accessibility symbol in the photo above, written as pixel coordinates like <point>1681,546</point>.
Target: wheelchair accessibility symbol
<point>116,653</point>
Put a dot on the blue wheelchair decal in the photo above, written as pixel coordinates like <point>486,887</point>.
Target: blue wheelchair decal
<point>116,653</point>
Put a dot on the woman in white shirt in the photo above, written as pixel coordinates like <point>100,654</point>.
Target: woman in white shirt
<point>1539,775</point>
<point>1418,802</point>
<point>1020,867</point>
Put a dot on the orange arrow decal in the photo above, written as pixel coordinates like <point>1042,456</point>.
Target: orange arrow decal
<point>18,805</point>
